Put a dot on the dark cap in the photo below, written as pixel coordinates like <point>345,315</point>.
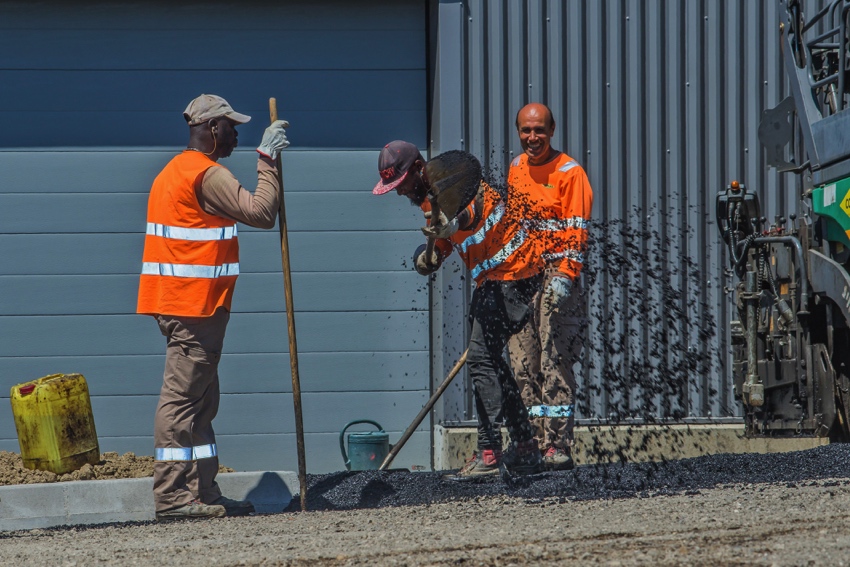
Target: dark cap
<point>394,164</point>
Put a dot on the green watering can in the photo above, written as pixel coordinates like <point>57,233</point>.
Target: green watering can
<point>367,450</point>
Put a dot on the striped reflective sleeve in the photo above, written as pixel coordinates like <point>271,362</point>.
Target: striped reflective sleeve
<point>491,220</point>
<point>570,254</point>
<point>501,255</point>
<point>196,234</point>
<point>554,225</point>
<point>550,411</point>
<point>185,453</point>
<point>189,270</point>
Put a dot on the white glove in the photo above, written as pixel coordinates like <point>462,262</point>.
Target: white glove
<point>557,293</point>
<point>274,139</point>
<point>445,228</point>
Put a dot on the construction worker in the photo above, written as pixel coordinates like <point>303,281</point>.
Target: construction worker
<point>190,266</point>
<point>551,195</point>
<point>507,275</point>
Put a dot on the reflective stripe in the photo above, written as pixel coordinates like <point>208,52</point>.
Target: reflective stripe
<point>501,255</point>
<point>185,453</point>
<point>550,411</point>
<point>516,161</point>
<point>566,254</point>
<point>555,224</point>
<point>489,223</point>
<point>189,270</point>
<point>197,234</point>
<point>567,166</point>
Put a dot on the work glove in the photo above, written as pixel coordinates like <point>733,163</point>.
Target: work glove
<point>556,294</point>
<point>274,139</point>
<point>445,228</point>
<point>423,267</point>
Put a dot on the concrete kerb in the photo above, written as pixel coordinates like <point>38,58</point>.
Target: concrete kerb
<point>85,502</point>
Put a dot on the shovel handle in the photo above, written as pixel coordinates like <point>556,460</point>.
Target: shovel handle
<point>427,408</point>
<point>435,218</point>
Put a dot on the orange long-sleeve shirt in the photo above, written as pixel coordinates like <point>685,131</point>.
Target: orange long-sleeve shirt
<point>553,202</point>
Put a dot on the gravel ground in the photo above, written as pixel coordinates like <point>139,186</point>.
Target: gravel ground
<point>786,509</point>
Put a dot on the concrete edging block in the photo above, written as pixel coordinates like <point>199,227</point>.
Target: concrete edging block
<point>86,502</point>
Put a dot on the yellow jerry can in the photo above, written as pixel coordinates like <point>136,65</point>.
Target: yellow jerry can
<point>55,424</point>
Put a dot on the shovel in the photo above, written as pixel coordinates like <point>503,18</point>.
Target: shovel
<point>453,180</point>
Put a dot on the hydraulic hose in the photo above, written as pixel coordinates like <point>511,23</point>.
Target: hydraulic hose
<point>794,243</point>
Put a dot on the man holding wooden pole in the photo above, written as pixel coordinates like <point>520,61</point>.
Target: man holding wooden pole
<point>190,266</point>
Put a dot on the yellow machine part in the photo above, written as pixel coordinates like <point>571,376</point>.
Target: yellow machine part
<point>55,424</point>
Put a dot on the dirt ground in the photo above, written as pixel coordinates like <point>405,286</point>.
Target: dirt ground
<point>778,509</point>
<point>111,466</point>
<point>744,524</point>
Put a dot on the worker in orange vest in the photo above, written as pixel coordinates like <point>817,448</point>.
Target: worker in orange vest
<point>552,198</point>
<point>189,271</point>
<point>507,274</point>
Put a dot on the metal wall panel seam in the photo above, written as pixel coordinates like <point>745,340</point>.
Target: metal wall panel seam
<point>494,158</point>
<point>676,198</point>
<point>622,129</point>
<point>654,211</point>
<point>555,56</point>
<point>694,152</point>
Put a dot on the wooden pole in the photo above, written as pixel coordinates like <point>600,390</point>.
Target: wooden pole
<point>427,408</point>
<point>290,324</point>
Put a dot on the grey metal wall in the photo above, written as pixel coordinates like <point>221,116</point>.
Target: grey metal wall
<point>660,101</point>
<point>91,98</point>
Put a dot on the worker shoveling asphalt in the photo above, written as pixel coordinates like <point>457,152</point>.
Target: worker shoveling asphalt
<point>465,212</point>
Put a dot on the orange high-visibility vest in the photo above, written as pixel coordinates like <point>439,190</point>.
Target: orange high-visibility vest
<point>497,248</point>
<point>191,258</point>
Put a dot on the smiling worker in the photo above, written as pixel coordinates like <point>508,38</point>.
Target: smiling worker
<point>551,197</point>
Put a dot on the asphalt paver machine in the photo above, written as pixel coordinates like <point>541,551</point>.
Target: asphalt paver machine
<point>791,339</point>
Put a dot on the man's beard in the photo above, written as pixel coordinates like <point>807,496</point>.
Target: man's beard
<point>419,193</point>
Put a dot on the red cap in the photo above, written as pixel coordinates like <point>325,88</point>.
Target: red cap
<point>394,163</point>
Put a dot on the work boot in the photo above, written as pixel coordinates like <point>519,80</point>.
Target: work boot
<point>523,458</point>
<point>193,510</point>
<point>234,507</point>
<point>557,459</point>
<point>481,465</point>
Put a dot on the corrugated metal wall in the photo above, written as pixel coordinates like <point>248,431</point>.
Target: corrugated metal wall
<point>660,101</point>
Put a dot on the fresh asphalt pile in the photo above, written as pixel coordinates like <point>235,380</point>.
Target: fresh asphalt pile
<point>379,489</point>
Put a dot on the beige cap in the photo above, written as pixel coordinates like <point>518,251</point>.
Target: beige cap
<point>207,106</point>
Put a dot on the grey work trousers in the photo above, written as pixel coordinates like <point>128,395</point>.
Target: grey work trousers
<point>186,461</point>
<point>543,357</point>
